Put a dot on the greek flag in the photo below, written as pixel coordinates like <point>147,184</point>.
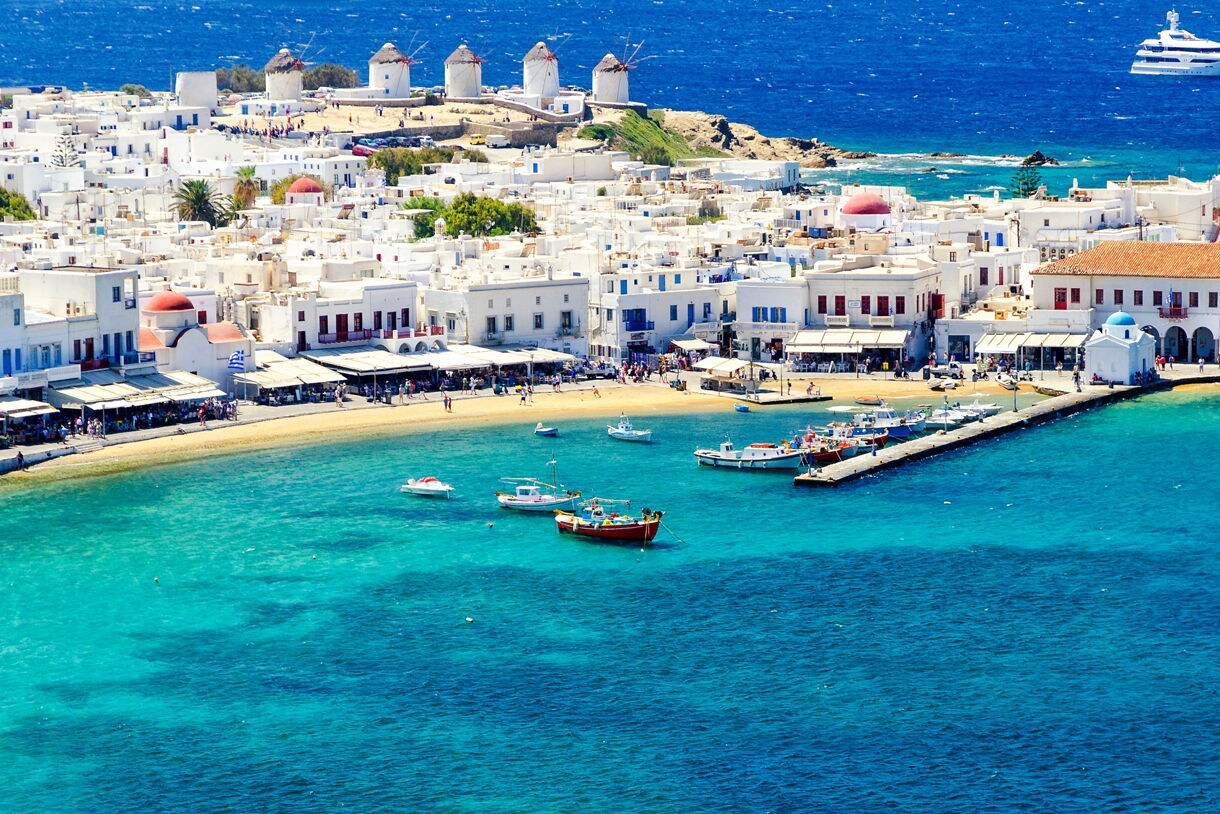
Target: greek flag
<point>237,360</point>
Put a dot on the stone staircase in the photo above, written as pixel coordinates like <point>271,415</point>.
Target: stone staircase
<point>85,444</point>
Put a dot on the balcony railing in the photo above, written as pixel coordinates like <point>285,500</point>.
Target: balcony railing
<point>1173,312</point>
<point>345,336</point>
<point>410,333</point>
<point>634,326</point>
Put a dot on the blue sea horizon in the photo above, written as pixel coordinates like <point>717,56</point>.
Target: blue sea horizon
<point>893,78</point>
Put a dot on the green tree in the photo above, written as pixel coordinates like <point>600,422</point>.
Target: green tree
<point>597,132</point>
<point>196,200</point>
<point>279,190</point>
<point>246,188</point>
<point>15,205</point>
<point>425,223</point>
<point>399,161</point>
<point>241,79</point>
<point>1025,182</point>
<point>137,90</point>
<point>329,75</point>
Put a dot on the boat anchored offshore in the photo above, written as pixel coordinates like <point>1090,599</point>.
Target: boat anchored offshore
<point>753,456</point>
<point>541,430</point>
<point>1177,52</point>
<point>533,495</point>
<point>429,487</point>
<point>626,432</point>
<point>594,521</point>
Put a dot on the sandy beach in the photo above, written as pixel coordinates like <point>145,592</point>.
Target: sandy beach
<point>637,400</point>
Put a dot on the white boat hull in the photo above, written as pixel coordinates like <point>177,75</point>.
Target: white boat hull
<point>644,436</point>
<point>427,489</point>
<point>545,505</point>
<point>715,458</point>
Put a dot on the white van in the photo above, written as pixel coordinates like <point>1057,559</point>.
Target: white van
<point>497,141</point>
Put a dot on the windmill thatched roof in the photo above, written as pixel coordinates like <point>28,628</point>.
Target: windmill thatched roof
<point>539,53</point>
<point>610,64</point>
<point>462,56</point>
<point>387,55</point>
<point>283,62</point>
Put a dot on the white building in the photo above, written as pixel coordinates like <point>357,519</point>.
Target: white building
<point>1172,290</point>
<point>197,89</point>
<point>173,332</point>
<point>1119,352</point>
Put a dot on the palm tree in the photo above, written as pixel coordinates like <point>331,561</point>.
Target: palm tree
<point>246,188</point>
<point>196,200</point>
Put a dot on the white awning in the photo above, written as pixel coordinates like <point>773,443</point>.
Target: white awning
<point>266,379</point>
<point>447,360</point>
<point>15,408</point>
<point>721,367</point>
<point>1000,343</point>
<point>177,385</point>
<point>845,340</point>
<point>1054,340</point>
<point>692,344</point>
<point>364,361</point>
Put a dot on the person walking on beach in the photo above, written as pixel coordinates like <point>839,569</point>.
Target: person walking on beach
<point>20,460</point>
<point>522,395</point>
<point>596,393</point>
<point>1200,364</point>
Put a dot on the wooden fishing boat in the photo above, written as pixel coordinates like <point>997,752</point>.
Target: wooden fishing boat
<point>596,521</point>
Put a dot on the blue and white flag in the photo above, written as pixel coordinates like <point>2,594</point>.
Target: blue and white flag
<point>237,360</point>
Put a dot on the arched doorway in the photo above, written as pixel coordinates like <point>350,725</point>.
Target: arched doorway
<point>1176,344</point>
<point>1151,330</point>
<point>1202,345</point>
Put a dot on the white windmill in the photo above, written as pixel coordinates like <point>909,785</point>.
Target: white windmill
<point>541,74</point>
<point>463,74</point>
<point>390,73</point>
<point>610,75</point>
<point>283,75</point>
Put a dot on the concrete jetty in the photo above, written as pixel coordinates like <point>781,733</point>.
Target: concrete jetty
<point>937,441</point>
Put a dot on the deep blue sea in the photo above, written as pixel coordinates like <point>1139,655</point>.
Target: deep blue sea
<point>892,76</point>
<point>1030,625</point>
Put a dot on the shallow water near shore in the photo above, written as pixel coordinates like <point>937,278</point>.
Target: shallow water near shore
<point>1030,622</point>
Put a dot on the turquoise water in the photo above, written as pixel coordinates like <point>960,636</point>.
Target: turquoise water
<point>1029,625</point>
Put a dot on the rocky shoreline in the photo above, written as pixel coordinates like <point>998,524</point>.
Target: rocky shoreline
<point>743,141</point>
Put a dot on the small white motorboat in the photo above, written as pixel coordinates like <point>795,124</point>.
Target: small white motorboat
<point>428,487</point>
<point>1006,381</point>
<point>533,495</point>
<point>626,432</point>
<point>754,456</point>
<point>541,430</point>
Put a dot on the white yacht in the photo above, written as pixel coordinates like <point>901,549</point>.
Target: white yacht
<point>1175,51</point>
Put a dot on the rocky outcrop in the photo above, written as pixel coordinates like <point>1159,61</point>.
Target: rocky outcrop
<point>1037,159</point>
<point>743,141</point>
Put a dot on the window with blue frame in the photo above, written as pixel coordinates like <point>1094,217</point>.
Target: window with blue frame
<point>673,313</point>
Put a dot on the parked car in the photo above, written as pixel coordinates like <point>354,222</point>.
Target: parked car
<point>363,150</point>
<point>478,138</point>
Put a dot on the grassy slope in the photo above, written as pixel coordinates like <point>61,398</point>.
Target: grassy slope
<point>639,135</point>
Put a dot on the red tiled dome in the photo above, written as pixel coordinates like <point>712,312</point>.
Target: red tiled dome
<point>307,186</point>
<point>866,203</point>
<point>167,301</point>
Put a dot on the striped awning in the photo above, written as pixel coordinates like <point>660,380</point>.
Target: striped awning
<point>846,340</point>
<point>1054,340</point>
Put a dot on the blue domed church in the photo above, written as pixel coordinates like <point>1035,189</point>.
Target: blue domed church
<point>1119,352</point>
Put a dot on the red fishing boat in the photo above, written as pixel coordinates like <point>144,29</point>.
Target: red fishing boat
<point>597,521</point>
